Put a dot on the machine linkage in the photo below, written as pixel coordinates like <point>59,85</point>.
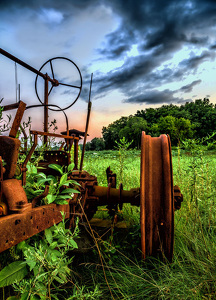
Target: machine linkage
<point>21,219</point>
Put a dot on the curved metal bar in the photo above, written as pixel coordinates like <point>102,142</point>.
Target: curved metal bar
<point>60,109</point>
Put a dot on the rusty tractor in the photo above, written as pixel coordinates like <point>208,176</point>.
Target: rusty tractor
<point>21,219</point>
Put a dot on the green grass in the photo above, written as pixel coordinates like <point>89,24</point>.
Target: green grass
<point>113,269</point>
<point>120,272</point>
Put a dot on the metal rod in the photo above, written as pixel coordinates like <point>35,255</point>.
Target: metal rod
<point>54,135</point>
<point>16,80</point>
<point>87,124</point>
<point>46,82</point>
<point>22,63</point>
<point>17,119</point>
<point>25,65</point>
<point>11,106</point>
<point>19,92</point>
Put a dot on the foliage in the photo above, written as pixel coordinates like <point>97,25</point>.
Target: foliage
<point>193,119</point>
<point>178,129</point>
<point>131,132</point>
<point>16,271</point>
<point>122,146</point>
<point>58,193</point>
<point>4,125</point>
<point>111,132</point>
<point>47,263</point>
<point>96,144</point>
<point>191,275</point>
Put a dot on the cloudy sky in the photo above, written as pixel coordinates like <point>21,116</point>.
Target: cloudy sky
<point>142,54</point>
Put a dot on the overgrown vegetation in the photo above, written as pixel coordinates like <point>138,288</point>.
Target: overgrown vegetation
<point>46,266</point>
<point>191,275</point>
<point>191,120</point>
<point>113,269</point>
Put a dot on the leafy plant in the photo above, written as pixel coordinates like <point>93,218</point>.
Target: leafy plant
<point>4,125</point>
<point>122,146</point>
<point>57,192</point>
<point>60,187</point>
<point>46,263</point>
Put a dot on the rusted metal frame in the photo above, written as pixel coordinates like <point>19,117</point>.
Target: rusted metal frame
<point>76,152</point>
<point>15,228</point>
<point>142,196</point>
<point>1,176</point>
<point>10,106</point>
<point>15,197</point>
<point>54,135</point>
<point>87,125</point>
<point>109,195</point>
<point>62,145</point>
<point>17,119</point>
<point>40,197</point>
<point>24,169</point>
<point>51,105</point>
<point>167,208</point>
<point>156,197</point>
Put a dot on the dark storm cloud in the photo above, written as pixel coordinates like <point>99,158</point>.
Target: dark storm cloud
<point>189,87</point>
<point>158,29</point>
<point>154,97</point>
<point>141,72</point>
<point>117,43</point>
<point>195,61</point>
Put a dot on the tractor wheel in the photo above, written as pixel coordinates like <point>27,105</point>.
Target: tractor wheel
<point>156,197</point>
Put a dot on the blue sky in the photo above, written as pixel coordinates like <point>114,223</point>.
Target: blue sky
<point>142,54</point>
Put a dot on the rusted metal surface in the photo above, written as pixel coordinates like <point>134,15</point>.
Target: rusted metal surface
<point>54,135</point>
<point>178,197</point>
<point>40,197</point>
<point>59,157</point>
<point>111,177</point>
<point>9,151</point>
<point>14,196</point>
<point>156,197</point>
<point>15,228</point>
<point>76,153</point>
<point>17,119</point>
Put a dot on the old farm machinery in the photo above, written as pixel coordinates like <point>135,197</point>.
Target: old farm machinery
<point>21,219</point>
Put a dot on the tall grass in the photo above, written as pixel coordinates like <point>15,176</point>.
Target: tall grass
<point>192,274</point>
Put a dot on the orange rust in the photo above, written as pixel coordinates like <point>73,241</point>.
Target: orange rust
<point>156,197</point>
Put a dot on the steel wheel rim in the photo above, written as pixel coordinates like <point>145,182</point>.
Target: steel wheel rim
<point>156,197</point>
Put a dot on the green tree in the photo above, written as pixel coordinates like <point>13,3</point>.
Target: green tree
<point>133,130</point>
<point>111,132</point>
<point>96,144</point>
<point>177,129</point>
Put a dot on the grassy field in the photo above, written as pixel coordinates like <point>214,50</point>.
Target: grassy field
<point>113,269</point>
<point>192,273</point>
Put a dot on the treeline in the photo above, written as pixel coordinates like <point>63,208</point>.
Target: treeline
<point>191,120</point>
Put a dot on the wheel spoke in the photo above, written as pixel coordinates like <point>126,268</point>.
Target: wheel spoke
<point>70,85</point>
<point>52,69</point>
<point>50,89</point>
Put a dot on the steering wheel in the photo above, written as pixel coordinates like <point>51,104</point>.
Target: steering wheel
<point>49,65</point>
